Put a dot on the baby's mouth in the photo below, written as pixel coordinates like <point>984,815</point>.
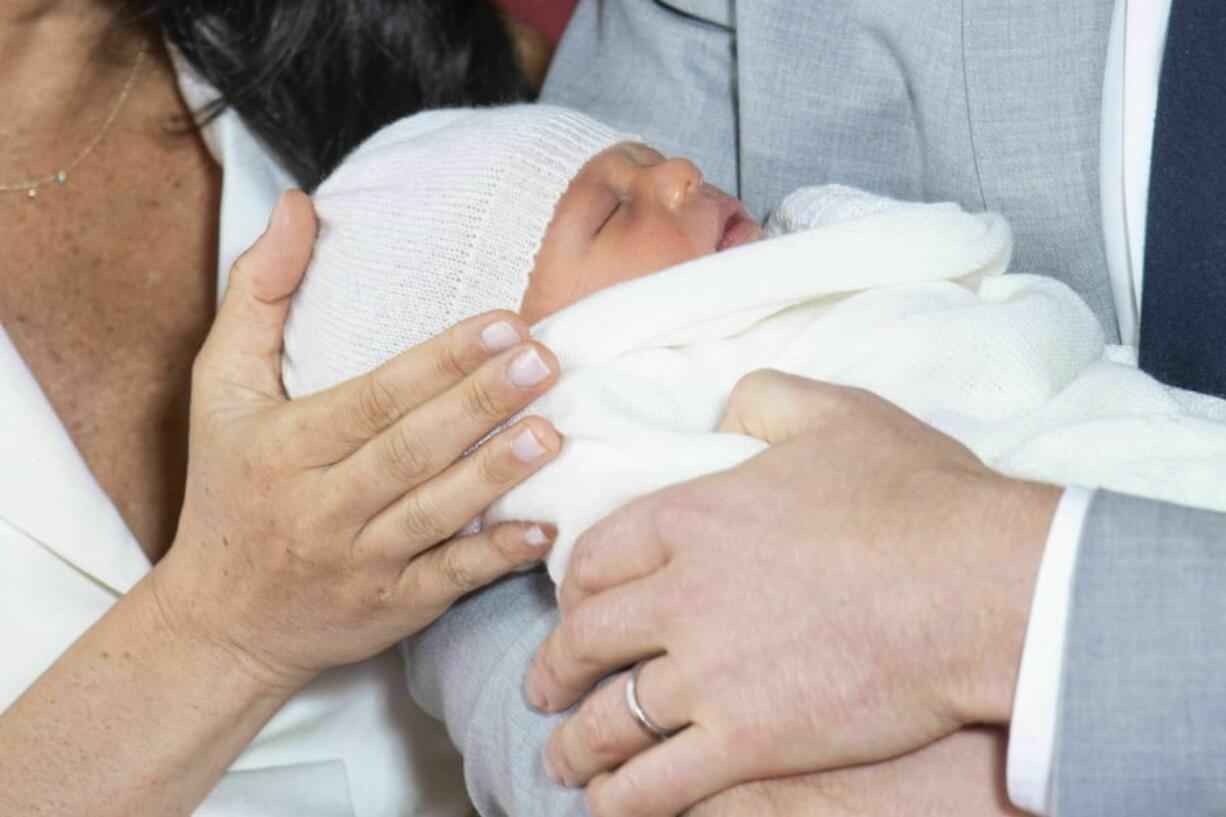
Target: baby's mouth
<point>738,227</point>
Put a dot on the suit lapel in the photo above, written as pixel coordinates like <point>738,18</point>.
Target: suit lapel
<point>48,493</point>
<point>1034,79</point>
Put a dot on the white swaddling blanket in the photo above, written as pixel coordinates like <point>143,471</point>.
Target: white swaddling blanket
<point>906,300</point>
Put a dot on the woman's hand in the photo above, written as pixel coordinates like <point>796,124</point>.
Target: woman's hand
<point>313,533</point>
<point>316,532</point>
<point>853,593</point>
<point>962,775</point>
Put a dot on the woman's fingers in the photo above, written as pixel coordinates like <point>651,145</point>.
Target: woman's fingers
<point>665,780</point>
<point>242,354</point>
<point>456,568</point>
<point>428,439</point>
<point>603,734</point>
<point>438,508</point>
<point>603,633</point>
<point>347,416</point>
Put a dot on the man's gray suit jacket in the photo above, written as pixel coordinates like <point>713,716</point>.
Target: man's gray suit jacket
<point>994,104</point>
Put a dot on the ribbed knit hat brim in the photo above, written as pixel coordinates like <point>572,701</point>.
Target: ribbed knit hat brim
<point>434,219</point>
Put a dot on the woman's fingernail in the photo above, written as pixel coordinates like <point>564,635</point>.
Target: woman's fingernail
<point>526,447</point>
<point>538,537</point>
<point>528,369</point>
<point>498,337</point>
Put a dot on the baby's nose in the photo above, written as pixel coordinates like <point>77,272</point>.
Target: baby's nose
<point>675,180</point>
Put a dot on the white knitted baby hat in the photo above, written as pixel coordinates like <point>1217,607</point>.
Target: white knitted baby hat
<point>435,218</point>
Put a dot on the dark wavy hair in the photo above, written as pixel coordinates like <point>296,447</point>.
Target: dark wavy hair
<point>313,78</point>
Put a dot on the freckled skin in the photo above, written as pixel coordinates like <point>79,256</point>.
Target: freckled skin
<point>107,291</point>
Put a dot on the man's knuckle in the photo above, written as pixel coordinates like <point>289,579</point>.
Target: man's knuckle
<point>561,761</point>
<point>576,634</point>
<point>678,516</point>
<point>582,569</point>
<point>598,732</point>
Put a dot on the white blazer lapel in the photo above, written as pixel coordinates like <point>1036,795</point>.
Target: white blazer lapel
<point>252,179</point>
<point>47,491</point>
<point>252,183</point>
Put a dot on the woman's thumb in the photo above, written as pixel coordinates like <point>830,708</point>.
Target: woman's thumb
<point>243,349</point>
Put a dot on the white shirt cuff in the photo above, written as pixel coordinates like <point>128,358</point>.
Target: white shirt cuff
<point>1036,704</point>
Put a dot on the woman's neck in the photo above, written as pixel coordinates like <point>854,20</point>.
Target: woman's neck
<point>60,63</point>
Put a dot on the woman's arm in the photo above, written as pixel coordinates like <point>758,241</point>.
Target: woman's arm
<point>310,538</point>
<point>138,717</point>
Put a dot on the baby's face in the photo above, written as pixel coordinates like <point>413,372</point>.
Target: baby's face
<point>630,212</point>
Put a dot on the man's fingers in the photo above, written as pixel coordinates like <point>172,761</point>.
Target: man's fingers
<point>665,780</point>
<point>436,510</point>
<point>348,415</point>
<point>622,547</point>
<point>606,631</point>
<point>243,349</point>
<point>430,438</point>
<point>603,734</point>
<point>458,567</point>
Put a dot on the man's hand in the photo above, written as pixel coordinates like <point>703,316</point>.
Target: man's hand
<point>855,592</point>
<point>959,776</point>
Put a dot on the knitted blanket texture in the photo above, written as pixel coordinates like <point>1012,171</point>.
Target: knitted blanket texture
<point>909,301</point>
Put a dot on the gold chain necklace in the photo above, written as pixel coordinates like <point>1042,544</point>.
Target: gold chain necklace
<point>60,177</point>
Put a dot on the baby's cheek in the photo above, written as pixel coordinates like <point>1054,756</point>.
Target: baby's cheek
<point>557,283</point>
<point>551,287</point>
<point>678,246</point>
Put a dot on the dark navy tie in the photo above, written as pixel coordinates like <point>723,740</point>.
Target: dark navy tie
<point>1183,303</point>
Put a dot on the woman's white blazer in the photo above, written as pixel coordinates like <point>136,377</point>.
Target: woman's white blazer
<point>352,744</point>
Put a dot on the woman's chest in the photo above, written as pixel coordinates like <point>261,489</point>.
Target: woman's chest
<point>107,295</point>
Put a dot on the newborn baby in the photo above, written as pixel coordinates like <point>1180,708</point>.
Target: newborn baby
<point>451,213</point>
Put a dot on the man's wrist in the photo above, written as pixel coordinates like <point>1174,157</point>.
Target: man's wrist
<point>1013,521</point>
